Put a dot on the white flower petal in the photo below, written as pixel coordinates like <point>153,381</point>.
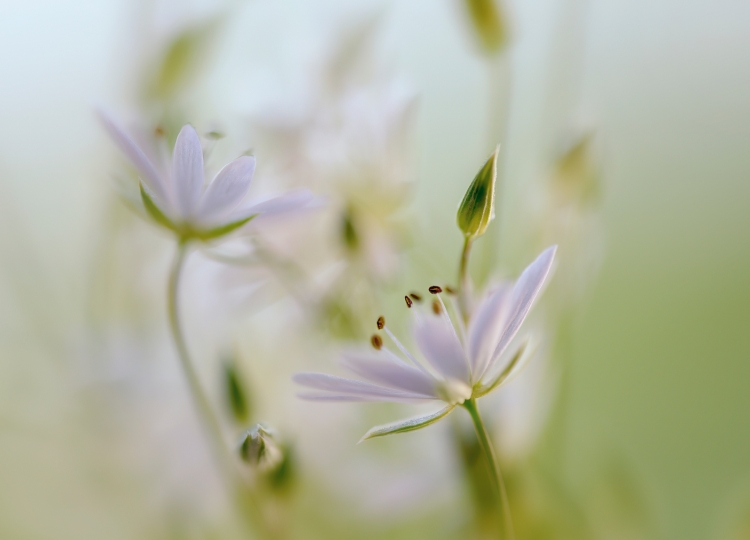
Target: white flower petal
<point>359,389</point>
<point>187,171</point>
<point>288,202</point>
<point>525,291</point>
<point>486,326</point>
<point>228,188</point>
<point>410,424</point>
<point>351,398</point>
<point>146,169</point>
<point>438,342</point>
<point>379,369</point>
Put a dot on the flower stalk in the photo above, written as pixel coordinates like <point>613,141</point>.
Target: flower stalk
<point>497,479</point>
<point>201,401</point>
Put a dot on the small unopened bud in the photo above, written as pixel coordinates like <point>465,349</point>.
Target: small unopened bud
<point>236,396</point>
<point>376,341</point>
<point>408,301</point>
<point>435,289</point>
<point>381,322</point>
<point>437,307</point>
<point>259,449</point>
<point>477,208</point>
<point>489,24</point>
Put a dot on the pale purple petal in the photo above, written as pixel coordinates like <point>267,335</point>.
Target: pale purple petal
<point>228,188</point>
<point>187,170</point>
<point>438,342</point>
<point>486,326</point>
<point>319,396</point>
<point>146,169</point>
<point>525,292</point>
<point>289,202</point>
<point>350,387</point>
<point>379,369</point>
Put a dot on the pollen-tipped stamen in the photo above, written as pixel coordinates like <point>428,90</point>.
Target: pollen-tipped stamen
<point>408,301</point>
<point>377,342</point>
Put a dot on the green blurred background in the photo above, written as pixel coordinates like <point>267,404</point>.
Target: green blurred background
<point>660,352</point>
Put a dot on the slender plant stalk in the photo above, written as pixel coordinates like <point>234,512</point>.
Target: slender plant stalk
<point>464,284</point>
<point>201,401</point>
<point>489,453</point>
<point>246,499</point>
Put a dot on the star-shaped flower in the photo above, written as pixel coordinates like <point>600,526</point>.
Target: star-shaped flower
<point>463,365</point>
<point>175,196</point>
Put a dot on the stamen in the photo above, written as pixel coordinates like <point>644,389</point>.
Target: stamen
<point>376,341</point>
<point>159,131</point>
<point>408,301</point>
<point>449,289</point>
<point>435,289</point>
<point>381,322</point>
<point>416,297</point>
<point>437,307</point>
<point>406,353</point>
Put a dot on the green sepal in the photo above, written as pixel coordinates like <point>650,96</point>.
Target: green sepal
<point>501,377</point>
<point>154,211</point>
<point>403,426</point>
<point>212,234</point>
<point>477,208</point>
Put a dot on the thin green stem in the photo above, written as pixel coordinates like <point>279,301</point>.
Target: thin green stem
<point>489,453</point>
<point>201,401</point>
<point>464,282</point>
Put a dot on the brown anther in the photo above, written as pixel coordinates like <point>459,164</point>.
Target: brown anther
<point>435,289</point>
<point>159,131</point>
<point>408,301</point>
<point>381,322</point>
<point>436,307</point>
<point>376,341</point>
<point>449,289</point>
<point>415,296</point>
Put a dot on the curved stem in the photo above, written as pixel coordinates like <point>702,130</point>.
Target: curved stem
<point>497,478</point>
<point>201,401</point>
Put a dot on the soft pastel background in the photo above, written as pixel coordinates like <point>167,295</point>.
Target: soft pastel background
<point>660,374</point>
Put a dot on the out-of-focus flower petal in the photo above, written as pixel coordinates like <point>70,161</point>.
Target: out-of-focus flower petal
<point>228,188</point>
<point>486,326</point>
<point>438,342</point>
<point>288,202</point>
<point>525,291</point>
<point>410,424</point>
<point>340,386</point>
<point>146,169</point>
<point>379,369</point>
<point>187,171</point>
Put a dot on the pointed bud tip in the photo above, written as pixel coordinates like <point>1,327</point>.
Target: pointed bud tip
<point>477,209</point>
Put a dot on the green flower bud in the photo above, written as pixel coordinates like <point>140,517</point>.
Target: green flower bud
<point>477,208</point>
<point>489,24</point>
<point>235,393</point>
<point>259,449</point>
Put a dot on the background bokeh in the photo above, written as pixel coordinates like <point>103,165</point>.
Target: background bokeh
<point>658,398</point>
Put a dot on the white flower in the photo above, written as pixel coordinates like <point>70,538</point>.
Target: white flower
<point>175,195</point>
<point>464,364</point>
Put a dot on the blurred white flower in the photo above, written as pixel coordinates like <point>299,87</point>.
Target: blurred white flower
<point>174,195</point>
<point>465,364</point>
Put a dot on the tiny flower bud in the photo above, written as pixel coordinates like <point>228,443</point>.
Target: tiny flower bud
<point>408,301</point>
<point>435,289</point>
<point>477,208</point>
<point>489,24</point>
<point>436,307</point>
<point>258,448</point>
<point>376,341</point>
<point>381,322</point>
<point>415,297</point>
<point>236,396</point>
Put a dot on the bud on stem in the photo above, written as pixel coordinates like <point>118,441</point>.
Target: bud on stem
<point>477,208</point>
